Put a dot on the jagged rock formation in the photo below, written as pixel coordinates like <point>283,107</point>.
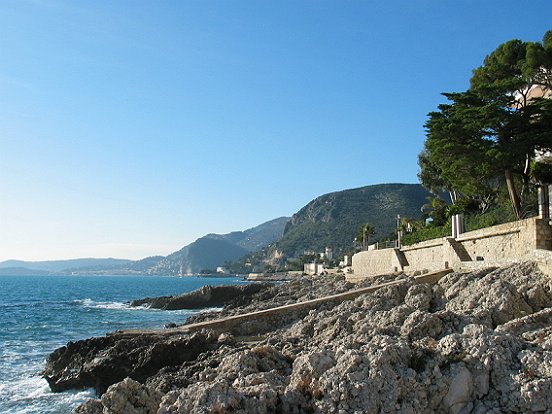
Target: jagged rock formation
<point>477,342</point>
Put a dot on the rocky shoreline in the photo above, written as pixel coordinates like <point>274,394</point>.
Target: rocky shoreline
<point>478,342</point>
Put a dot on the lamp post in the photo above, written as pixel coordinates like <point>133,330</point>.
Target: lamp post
<point>398,231</point>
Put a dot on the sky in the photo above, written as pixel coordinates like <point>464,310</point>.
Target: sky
<point>131,128</point>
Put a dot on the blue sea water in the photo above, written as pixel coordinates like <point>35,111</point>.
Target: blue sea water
<point>41,313</point>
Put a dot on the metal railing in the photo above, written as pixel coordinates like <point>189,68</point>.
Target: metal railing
<point>387,244</point>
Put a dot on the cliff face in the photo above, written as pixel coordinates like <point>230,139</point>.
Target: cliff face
<point>475,342</point>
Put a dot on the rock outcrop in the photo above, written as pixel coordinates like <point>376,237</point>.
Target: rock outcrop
<point>100,362</point>
<point>477,342</point>
<point>205,297</point>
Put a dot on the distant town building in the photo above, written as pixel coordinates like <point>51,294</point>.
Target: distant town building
<point>344,262</point>
<point>313,268</point>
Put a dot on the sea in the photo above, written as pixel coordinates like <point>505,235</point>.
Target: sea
<point>41,313</point>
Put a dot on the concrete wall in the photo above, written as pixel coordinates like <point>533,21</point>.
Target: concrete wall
<point>493,246</point>
<point>429,255</point>
<point>377,262</point>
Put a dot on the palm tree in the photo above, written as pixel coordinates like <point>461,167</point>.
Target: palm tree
<point>365,232</point>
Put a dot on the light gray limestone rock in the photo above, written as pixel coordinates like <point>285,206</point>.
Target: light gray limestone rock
<point>477,342</point>
<point>130,397</point>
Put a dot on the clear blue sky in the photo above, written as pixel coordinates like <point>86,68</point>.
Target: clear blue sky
<point>131,128</point>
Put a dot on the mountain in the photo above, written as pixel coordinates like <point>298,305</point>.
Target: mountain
<point>204,253</point>
<point>213,250</point>
<point>65,266</point>
<point>207,252</point>
<point>329,220</point>
<point>256,238</point>
<point>333,219</point>
<point>21,271</point>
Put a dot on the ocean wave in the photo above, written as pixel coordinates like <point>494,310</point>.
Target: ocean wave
<point>32,395</point>
<point>27,392</point>
<point>89,303</point>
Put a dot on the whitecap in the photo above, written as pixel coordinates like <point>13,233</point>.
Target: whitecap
<point>85,302</point>
<point>89,303</point>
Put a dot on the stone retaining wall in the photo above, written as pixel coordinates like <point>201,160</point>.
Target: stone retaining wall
<point>493,246</point>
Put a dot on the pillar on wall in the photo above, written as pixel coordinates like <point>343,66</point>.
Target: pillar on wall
<point>544,201</point>
<point>457,225</point>
<point>549,200</point>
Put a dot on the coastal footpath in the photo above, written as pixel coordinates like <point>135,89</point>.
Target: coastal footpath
<point>473,342</point>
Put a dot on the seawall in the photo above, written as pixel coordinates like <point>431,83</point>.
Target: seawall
<point>523,240</point>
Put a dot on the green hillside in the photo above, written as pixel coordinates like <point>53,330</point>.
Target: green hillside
<point>333,219</point>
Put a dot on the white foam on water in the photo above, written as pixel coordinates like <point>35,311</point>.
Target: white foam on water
<point>33,395</point>
<point>85,302</point>
<point>196,311</point>
<point>89,303</point>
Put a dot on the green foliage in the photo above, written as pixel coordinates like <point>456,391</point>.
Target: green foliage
<point>541,172</point>
<point>365,233</point>
<point>490,130</point>
<point>426,233</point>
<point>436,209</point>
<point>500,213</point>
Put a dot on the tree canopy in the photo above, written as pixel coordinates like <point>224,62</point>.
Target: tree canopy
<point>486,136</point>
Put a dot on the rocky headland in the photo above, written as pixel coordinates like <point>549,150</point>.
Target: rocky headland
<point>476,342</point>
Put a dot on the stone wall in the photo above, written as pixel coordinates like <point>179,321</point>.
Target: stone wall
<point>493,246</point>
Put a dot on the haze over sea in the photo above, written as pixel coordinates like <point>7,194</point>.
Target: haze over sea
<point>41,313</point>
